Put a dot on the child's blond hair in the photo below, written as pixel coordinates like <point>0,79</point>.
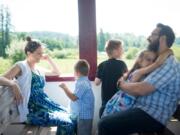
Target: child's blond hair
<point>112,45</point>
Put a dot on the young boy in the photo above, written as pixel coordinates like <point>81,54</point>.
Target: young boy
<point>110,71</point>
<point>82,100</point>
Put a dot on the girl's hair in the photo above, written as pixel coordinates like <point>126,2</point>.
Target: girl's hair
<point>31,45</point>
<point>136,64</point>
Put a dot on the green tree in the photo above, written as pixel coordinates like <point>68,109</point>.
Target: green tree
<point>2,50</point>
<point>101,41</point>
<point>5,25</point>
<point>21,35</point>
<point>177,41</point>
<point>52,44</point>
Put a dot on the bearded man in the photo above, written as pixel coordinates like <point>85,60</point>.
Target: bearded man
<point>157,95</point>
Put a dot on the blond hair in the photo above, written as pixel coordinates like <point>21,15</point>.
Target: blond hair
<point>112,45</point>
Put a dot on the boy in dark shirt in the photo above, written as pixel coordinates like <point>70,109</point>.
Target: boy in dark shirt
<point>110,71</point>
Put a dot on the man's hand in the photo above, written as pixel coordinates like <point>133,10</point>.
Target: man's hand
<point>120,82</point>
<point>16,92</point>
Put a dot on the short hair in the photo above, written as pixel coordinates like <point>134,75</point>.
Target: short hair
<point>31,45</point>
<point>167,31</point>
<point>112,45</point>
<point>82,66</point>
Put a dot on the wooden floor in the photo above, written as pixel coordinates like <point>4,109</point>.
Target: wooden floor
<point>29,130</point>
<point>21,129</point>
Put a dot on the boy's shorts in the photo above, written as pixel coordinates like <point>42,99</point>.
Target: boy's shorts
<point>85,127</point>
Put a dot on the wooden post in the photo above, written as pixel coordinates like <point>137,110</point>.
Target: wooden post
<point>87,34</point>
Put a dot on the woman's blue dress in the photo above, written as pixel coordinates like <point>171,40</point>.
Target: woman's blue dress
<point>44,112</point>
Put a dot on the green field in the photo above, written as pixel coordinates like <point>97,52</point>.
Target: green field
<point>66,64</point>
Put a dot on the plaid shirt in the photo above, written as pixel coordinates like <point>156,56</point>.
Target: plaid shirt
<point>162,103</point>
<point>84,106</point>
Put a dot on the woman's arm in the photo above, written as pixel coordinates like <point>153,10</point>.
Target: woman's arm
<point>14,87</point>
<point>5,82</point>
<point>13,72</point>
<point>54,69</point>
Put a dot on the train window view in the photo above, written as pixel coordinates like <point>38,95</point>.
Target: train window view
<point>89,67</point>
<point>55,24</point>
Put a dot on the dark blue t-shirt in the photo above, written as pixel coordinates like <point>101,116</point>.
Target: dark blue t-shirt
<point>109,72</point>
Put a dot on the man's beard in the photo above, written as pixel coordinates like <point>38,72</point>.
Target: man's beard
<point>154,46</point>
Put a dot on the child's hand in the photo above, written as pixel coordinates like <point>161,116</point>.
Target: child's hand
<point>137,75</point>
<point>162,57</point>
<point>63,86</point>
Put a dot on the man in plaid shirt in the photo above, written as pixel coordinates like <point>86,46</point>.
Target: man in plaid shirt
<point>158,94</point>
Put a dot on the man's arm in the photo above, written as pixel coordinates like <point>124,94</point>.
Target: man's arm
<point>146,70</point>
<point>158,79</point>
<point>137,88</point>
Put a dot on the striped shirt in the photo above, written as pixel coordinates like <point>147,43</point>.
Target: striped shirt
<point>83,107</point>
<point>162,103</point>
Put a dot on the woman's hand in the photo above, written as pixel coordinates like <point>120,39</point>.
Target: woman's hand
<point>45,57</point>
<point>16,92</point>
<point>54,71</point>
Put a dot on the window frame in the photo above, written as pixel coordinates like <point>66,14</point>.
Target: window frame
<point>87,39</point>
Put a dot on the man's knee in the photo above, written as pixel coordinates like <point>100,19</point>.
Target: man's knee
<point>100,124</point>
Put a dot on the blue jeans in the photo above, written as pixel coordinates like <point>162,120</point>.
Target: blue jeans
<point>127,122</point>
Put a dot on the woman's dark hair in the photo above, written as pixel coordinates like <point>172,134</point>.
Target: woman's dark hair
<point>167,31</point>
<point>31,46</point>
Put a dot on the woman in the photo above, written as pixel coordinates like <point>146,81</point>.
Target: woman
<point>37,108</point>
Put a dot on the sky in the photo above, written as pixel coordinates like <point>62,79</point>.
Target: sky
<point>115,16</point>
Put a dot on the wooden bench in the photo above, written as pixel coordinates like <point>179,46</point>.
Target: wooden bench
<point>8,109</point>
<point>9,115</point>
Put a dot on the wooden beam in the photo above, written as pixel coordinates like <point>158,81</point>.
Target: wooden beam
<point>87,34</point>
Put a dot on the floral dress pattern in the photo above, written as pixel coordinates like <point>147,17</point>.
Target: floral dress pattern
<point>44,112</point>
<point>120,101</point>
